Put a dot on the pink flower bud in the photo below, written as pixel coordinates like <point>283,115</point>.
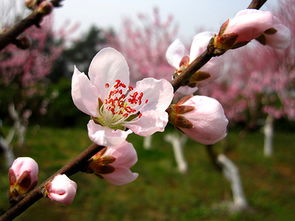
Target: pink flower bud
<point>114,163</point>
<point>201,118</point>
<point>61,189</point>
<point>23,177</point>
<point>250,24</point>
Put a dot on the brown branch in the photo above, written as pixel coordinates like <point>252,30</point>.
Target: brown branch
<point>69,169</point>
<point>10,35</point>
<point>256,4</point>
<point>205,56</point>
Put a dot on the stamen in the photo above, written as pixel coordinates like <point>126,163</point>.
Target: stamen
<point>120,105</point>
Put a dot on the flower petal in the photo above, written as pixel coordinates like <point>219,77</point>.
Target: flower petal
<point>149,123</point>
<point>124,153</point>
<point>62,189</point>
<point>175,53</point>
<point>84,94</point>
<point>106,136</point>
<point>157,93</point>
<point>249,24</point>
<point>199,44</point>
<point>120,176</point>
<point>281,39</point>
<point>106,67</point>
<point>208,119</point>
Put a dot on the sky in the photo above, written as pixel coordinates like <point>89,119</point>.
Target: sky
<point>188,14</point>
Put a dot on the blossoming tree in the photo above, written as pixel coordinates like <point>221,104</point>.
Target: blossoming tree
<point>23,73</point>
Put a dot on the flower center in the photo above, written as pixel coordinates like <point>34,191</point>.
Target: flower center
<point>121,105</point>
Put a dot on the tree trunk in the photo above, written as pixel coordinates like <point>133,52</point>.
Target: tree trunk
<point>147,142</point>
<point>177,144</point>
<point>7,151</point>
<point>231,173</point>
<point>268,136</point>
<point>19,124</point>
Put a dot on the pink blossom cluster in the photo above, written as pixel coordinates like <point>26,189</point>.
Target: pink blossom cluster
<point>143,43</point>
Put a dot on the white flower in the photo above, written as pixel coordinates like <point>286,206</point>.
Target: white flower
<point>116,109</point>
<point>177,57</point>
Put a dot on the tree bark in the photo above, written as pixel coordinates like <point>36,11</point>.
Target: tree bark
<point>177,144</point>
<point>231,173</point>
<point>268,136</point>
<point>7,151</point>
<point>147,142</point>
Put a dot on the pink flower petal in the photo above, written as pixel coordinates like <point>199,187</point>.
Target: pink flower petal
<point>106,136</point>
<point>157,93</point>
<point>106,67</point>
<point>149,123</point>
<point>249,24</point>
<point>281,39</point>
<point>199,44</point>
<point>175,52</point>
<point>124,153</point>
<point>120,176</point>
<point>84,94</point>
<point>22,164</point>
<point>208,119</point>
<point>61,189</point>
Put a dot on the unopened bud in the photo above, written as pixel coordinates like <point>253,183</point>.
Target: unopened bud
<point>199,117</point>
<point>22,42</point>
<point>45,7</point>
<point>23,177</point>
<point>176,116</point>
<point>61,189</point>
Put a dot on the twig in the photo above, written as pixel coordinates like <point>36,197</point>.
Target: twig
<point>69,169</point>
<point>256,4</point>
<point>34,18</point>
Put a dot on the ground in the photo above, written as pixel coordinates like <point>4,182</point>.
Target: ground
<point>160,192</point>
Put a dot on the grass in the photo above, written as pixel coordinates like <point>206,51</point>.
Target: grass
<point>160,192</point>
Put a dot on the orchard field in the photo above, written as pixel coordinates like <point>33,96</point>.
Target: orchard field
<point>161,192</point>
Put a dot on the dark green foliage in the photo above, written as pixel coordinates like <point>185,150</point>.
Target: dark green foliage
<point>62,112</point>
<point>80,53</point>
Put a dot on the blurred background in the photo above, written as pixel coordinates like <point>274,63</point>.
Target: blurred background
<point>256,88</point>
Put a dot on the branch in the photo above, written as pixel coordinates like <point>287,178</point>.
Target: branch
<point>256,4</point>
<point>206,55</point>
<point>34,18</point>
<point>69,169</point>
